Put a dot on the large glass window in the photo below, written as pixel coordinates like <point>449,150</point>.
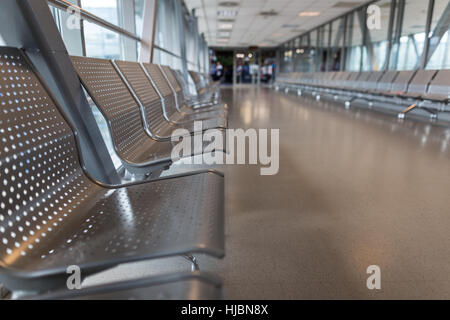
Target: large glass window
<point>378,36</point>
<point>354,43</point>
<point>337,40</point>
<point>90,39</point>
<point>439,50</point>
<point>314,38</point>
<point>409,36</point>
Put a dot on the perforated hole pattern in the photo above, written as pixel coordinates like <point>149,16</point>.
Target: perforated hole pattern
<point>173,81</point>
<point>111,95</point>
<point>52,216</point>
<point>42,183</point>
<point>163,87</point>
<point>146,94</point>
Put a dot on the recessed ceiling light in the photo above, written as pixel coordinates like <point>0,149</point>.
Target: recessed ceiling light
<point>224,34</point>
<point>225,26</point>
<point>270,13</point>
<point>227,13</point>
<point>228,4</point>
<point>226,20</point>
<point>309,14</point>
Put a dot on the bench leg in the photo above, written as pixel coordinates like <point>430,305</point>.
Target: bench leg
<point>193,261</point>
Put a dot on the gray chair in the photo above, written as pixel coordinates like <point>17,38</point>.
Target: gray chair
<point>372,82</point>
<point>439,89</point>
<point>182,106</point>
<point>400,84</point>
<point>54,214</point>
<point>171,111</point>
<point>385,83</point>
<point>145,90</point>
<point>133,141</point>
<point>195,101</point>
<point>419,84</point>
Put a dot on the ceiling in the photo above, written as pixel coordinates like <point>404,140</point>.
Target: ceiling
<point>250,28</point>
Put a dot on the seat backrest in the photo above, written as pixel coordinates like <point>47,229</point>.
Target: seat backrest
<point>385,83</point>
<point>42,182</point>
<point>361,82</point>
<point>401,82</point>
<point>197,82</point>
<point>145,92</point>
<point>441,84</point>
<point>169,100</point>
<point>175,85</point>
<point>351,81</point>
<point>420,81</point>
<point>183,82</point>
<point>372,81</point>
<point>116,103</point>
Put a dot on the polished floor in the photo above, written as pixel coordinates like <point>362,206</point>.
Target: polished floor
<point>355,188</point>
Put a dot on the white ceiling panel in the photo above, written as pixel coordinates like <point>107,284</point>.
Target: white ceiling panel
<point>251,28</point>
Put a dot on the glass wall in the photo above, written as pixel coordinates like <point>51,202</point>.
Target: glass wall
<point>410,35</point>
<point>381,35</point>
<point>176,43</point>
<point>439,49</point>
<point>354,42</point>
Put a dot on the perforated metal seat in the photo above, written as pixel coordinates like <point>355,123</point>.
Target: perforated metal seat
<point>170,104</point>
<point>439,89</point>
<point>196,100</point>
<point>184,286</point>
<point>197,82</point>
<point>135,148</point>
<point>145,91</point>
<point>419,83</point>
<point>217,110</point>
<point>399,83</point>
<point>53,215</point>
<point>385,83</point>
<point>137,143</point>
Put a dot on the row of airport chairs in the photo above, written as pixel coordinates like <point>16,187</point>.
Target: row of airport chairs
<point>422,92</point>
<point>54,215</point>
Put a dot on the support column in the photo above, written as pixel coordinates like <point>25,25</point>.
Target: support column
<point>148,30</point>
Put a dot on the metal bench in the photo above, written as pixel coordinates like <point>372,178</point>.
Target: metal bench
<point>200,85</point>
<point>181,286</point>
<point>400,84</point>
<point>419,84</point>
<point>439,89</point>
<point>195,101</point>
<point>171,112</point>
<point>212,111</point>
<point>54,214</point>
<point>144,89</point>
<point>385,83</point>
<point>132,141</point>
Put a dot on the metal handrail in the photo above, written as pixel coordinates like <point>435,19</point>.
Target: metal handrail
<point>86,15</point>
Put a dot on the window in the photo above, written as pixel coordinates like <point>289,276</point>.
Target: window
<point>409,40</point>
<point>314,52</point>
<point>439,50</point>
<point>379,36</point>
<point>354,43</point>
<point>337,40</point>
